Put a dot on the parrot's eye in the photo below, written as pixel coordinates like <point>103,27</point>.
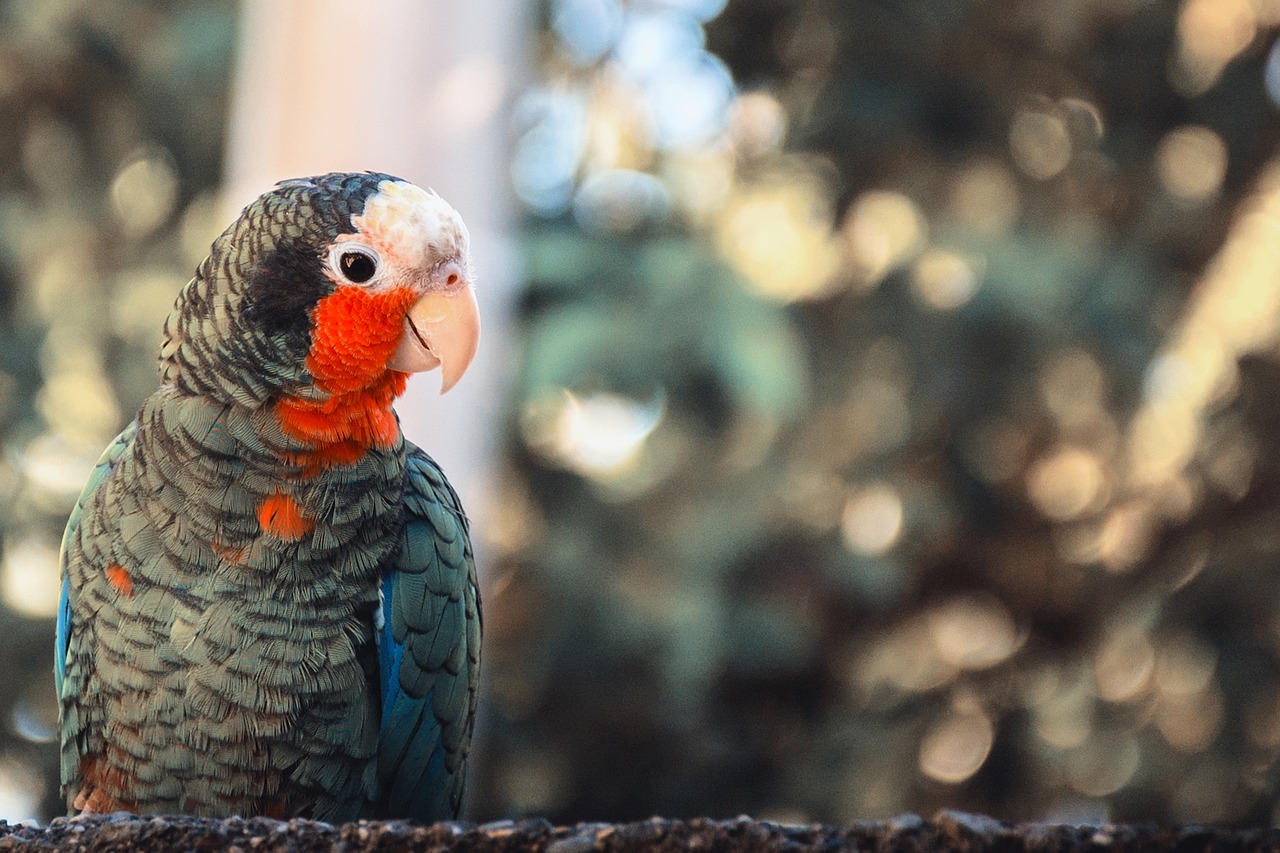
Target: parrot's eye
<point>357,267</point>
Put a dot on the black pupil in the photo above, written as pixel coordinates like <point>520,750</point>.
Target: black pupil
<point>357,266</point>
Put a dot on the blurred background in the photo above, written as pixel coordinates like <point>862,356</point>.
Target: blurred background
<point>878,409</point>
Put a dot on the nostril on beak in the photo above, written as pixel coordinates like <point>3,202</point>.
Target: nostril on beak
<point>449,277</point>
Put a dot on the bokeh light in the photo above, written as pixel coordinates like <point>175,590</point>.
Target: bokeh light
<point>1123,667</point>
<point>545,161</point>
<point>143,192</point>
<point>984,197</point>
<point>1192,161</point>
<point>598,435</point>
<point>29,578</point>
<point>1211,33</point>
<point>777,234</point>
<point>20,791</point>
<point>757,124</point>
<point>872,520</point>
<point>944,280</point>
<point>1067,483</point>
<point>883,230</point>
<point>1104,764</point>
<point>974,632</point>
<point>956,746</point>
<point>586,28</point>
<point>1039,142</point>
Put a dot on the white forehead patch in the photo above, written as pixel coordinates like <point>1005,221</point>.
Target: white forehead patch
<point>411,227</point>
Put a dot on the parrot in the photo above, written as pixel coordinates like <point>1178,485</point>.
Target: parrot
<point>269,599</point>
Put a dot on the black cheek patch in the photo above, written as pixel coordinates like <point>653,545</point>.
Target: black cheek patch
<point>283,288</point>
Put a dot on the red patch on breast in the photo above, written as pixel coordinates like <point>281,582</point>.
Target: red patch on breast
<point>234,555</point>
<point>354,333</point>
<point>119,577</point>
<point>280,515</point>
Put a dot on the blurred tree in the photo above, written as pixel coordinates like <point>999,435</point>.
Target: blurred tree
<point>864,455</point>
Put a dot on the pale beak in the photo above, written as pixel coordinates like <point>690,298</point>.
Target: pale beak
<point>442,330</point>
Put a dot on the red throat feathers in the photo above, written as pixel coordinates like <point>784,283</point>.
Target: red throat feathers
<point>354,333</point>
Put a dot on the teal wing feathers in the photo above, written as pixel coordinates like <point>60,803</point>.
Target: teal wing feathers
<point>106,462</point>
<point>428,653</point>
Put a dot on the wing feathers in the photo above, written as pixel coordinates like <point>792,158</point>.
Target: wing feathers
<point>430,653</point>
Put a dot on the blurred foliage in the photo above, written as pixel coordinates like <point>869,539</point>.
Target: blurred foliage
<point>879,442</point>
<point>113,124</point>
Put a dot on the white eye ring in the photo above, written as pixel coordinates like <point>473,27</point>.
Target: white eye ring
<point>355,262</point>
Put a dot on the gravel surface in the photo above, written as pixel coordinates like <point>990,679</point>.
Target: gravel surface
<point>947,831</point>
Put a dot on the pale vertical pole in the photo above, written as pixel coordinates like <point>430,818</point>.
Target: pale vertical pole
<point>420,89</point>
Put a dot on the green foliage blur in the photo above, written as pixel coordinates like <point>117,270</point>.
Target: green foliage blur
<point>894,416</point>
<point>879,442</point>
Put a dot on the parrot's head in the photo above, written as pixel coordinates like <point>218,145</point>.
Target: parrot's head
<point>329,286</point>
